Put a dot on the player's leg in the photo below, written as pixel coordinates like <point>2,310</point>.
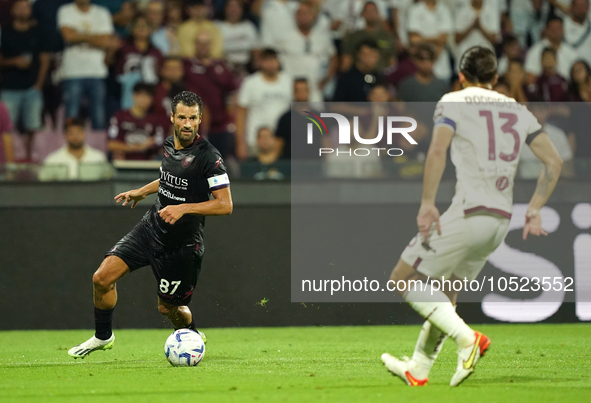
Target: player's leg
<point>104,290</point>
<point>179,316</point>
<point>486,232</point>
<point>127,255</point>
<point>105,298</point>
<point>177,273</point>
<point>429,344</point>
<point>439,310</point>
<point>419,262</point>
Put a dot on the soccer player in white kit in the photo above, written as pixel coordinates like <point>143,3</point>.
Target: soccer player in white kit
<point>486,131</point>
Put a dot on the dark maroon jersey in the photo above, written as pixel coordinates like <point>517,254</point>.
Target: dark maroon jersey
<point>188,175</point>
<point>400,71</point>
<point>129,59</point>
<point>132,130</point>
<point>548,88</point>
<point>212,83</point>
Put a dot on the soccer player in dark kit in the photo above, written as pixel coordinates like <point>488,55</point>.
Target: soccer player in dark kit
<point>170,235</point>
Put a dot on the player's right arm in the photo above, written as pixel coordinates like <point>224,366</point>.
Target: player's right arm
<point>434,167</point>
<point>542,148</point>
<point>136,195</point>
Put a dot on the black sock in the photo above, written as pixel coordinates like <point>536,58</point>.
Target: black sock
<point>102,323</point>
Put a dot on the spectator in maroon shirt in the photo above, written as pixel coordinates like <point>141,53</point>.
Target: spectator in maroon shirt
<point>171,84</point>
<point>406,67</point>
<point>138,60</point>
<point>212,80</point>
<point>549,86</point>
<point>136,134</point>
<point>580,82</point>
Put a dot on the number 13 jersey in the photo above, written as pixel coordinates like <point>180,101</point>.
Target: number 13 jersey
<point>490,130</point>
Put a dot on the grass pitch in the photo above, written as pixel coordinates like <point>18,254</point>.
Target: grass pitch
<point>526,363</point>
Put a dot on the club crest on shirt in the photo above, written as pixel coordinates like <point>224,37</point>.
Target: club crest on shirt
<point>187,160</point>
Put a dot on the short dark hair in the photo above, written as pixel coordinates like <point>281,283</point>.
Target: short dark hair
<point>554,18</point>
<point>170,58</point>
<point>509,40</point>
<point>479,65</point>
<point>145,88</point>
<point>268,53</point>
<point>300,80</point>
<point>425,51</point>
<point>187,98</point>
<point>191,3</point>
<point>368,3</point>
<point>370,43</point>
<point>74,122</point>
<point>549,50</point>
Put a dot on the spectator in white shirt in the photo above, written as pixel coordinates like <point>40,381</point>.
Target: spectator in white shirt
<point>306,50</point>
<point>431,21</point>
<point>346,14</point>
<point>554,38</point>
<point>398,16</point>
<point>477,24</point>
<point>72,155</point>
<point>276,15</point>
<point>528,18</point>
<point>577,29</point>
<point>241,38</point>
<point>87,30</point>
<point>262,98</point>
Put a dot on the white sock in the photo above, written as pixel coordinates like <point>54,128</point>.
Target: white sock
<point>437,308</point>
<point>427,349</point>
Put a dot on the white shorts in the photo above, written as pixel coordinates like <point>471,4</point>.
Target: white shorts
<point>462,248</point>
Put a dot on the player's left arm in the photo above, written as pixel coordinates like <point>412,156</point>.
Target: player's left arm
<point>221,204</point>
<point>434,167</point>
<point>544,149</point>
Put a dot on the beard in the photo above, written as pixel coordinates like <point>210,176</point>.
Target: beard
<point>185,137</point>
<point>76,146</point>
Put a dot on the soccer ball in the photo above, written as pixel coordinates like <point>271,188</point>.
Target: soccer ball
<point>184,348</point>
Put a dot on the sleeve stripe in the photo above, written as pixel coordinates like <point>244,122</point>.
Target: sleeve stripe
<point>446,121</point>
<point>530,137</point>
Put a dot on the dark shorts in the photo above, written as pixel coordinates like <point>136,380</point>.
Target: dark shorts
<point>176,267</point>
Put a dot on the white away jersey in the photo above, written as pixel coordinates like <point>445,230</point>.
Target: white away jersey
<point>490,132</point>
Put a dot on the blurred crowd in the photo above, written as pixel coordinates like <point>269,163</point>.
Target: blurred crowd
<point>108,69</point>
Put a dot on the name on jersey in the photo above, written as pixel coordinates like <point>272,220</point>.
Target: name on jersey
<point>484,100</point>
<point>172,180</point>
<point>168,194</point>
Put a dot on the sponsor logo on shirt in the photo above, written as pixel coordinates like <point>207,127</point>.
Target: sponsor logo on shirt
<point>172,180</point>
<point>187,161</point>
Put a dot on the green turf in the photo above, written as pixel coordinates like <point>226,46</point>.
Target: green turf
<point>526,363</point>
